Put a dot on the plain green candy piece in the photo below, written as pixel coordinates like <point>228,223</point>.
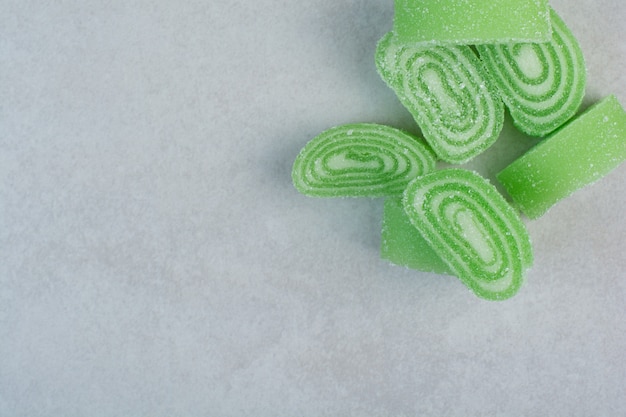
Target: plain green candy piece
<point>472,229</point>
<point>542,84</point>
<point>402,244</point>
<point>448,92</point>
<point>581,152</point>
<point>360,160</point>
<point>471,22</point>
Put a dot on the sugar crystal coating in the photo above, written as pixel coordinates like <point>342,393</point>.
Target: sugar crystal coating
<point>472,228</point>
<point>446,90</point>
<point>471,22</point>
<point>542,84</point>
<point>360,160</point>
<point>581,152</point>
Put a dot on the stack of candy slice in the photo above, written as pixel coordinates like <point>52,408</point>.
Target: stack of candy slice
<point>472,229</point>
<point>583,151</point>
<point>470,22</point>
<point>542,84</point>
<point>446,90</point>
<point>360,160</point>
<point>453,221</point>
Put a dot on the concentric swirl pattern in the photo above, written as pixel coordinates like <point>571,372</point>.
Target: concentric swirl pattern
<point>387,58</point>
<point>360,160</point>
<point>542,84</point>
<point>473,229</point>
<point>446,90</point>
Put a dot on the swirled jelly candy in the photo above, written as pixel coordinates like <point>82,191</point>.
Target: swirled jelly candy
<point>360,160</point>
<point>471,22</point>
<point>542,84</point>
<point>387,60</point>
<point>445,88</point>
<point>581,152</point>
<point>403,245</point>
<point>472,228</point>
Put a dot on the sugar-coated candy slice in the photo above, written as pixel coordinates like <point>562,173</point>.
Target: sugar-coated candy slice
<point>542,84</point>
<point>402,244</point>
<point>471,22</point>
<point>472,228</point>
<point>360,160</point>
<point>388,53</point>
<point>581,152</point>
<point>445,88</point>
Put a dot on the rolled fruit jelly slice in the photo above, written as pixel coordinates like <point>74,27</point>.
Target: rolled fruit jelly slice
<point>471,22</point>
<point>386,58</point>
<point>446,90</point>
<point>403,245</point>
<point>581,152</point>
<point>472,229</point>
<point>542,84</point>
<point>360,160</point>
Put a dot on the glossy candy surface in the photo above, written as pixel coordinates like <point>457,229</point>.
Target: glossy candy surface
<point>360,160</point>
<point>472,229</point>
<point>542,84</point>
<point>580,153</point>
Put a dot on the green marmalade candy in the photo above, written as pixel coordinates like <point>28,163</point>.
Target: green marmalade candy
<point>403,245</point>
<point>581,152</point>
<point>471,22</point>
<point>472,229</point>
<point>447,91</point>
<point>542,84</point>
<point>360,160</point>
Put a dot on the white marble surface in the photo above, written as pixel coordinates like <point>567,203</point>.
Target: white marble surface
<point>155,259</point>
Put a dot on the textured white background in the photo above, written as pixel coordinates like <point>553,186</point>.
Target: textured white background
<point>155,259</point>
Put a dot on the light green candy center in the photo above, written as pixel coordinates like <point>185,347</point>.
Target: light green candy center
<point>476,236</point>
<point>440,90</point>
<point>352,160</point>
<point>528,62</point>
